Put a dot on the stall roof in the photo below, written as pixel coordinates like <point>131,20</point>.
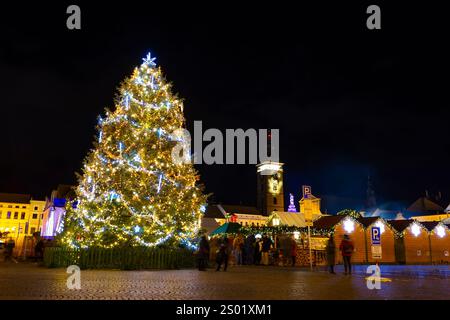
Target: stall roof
<point>367,221</point>
<point>430,225</point>
<point>327,222</point>
<point>291,218</point>
<point>400,225</point>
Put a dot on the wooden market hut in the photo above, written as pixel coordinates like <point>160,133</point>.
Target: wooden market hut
<point>387,240</point>
<point>439,241</point>
<point>341,225</point>
<point>411,242</point>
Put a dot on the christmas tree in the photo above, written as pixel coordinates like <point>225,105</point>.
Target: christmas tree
<point>131,192</point>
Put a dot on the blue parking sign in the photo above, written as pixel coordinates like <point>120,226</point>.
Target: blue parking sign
<point>376,235</point>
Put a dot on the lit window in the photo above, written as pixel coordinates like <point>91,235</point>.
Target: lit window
<point>415,229</point>
<point>349,225</point>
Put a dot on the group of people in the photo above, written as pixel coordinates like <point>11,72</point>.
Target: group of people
<point>248,250</point>
<point>252,250</point>
<point>7,249</point>
<point>346,248</point>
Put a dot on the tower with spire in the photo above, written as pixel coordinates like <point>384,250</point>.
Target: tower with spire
<point>371,201</point>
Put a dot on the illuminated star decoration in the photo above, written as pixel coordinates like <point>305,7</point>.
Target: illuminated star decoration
<point>148,60</point>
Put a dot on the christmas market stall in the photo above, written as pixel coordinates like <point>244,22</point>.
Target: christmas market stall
<point>386,254</point>
<point>439,241</point>
<point>341,225</point>
<point>411,243</point>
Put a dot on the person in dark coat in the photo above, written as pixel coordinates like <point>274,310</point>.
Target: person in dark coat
<point>257,252</point>
<point>203,254</point>
<point>39,249</point>
<point>346,247</point>
<point>331,251</point>
<point>249,249</point>
<point>10,245</point>
<point>223,254</point>
<point>293,251</point>
<point>266,245</point>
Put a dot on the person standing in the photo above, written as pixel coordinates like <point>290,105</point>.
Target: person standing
<point>346,247</point>
<point>249,249</point>
<point>223,255</point>
<point>266,245</point>
<point>257,250</point>
<point>331,251</point>
<point>293,252</point>
<point>10,245</point>
<point>203,254</point>
<point>237,249</point>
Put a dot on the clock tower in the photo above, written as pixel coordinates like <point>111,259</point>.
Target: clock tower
<point>270,195</point>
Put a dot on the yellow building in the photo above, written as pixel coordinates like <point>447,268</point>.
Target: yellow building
<point>309,205</point>
<point>20,215</point>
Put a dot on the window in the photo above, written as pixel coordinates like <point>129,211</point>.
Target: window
<point>17,206</point>
<point>36,208</point>
<point>22,216</point>
<point>24,207</point>
<point>0,214</point>
<point>34,215</point>
<point>8,216</point>
<point>32,230</point>
<point>10,206</point>
<point>16,215</point>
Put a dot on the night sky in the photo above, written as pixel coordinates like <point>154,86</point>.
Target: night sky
<point>348,101</point>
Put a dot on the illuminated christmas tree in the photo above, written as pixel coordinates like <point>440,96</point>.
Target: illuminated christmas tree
<point>131,191</point>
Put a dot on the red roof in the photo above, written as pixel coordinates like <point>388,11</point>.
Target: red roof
<point>430,225</point>
<point>15,198</point>
<point>400,225</point>
<point>327,222</point>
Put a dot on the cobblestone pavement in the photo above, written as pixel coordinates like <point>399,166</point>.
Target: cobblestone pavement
<point>28,281</point>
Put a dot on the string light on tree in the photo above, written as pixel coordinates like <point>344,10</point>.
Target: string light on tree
<point>130,191</point>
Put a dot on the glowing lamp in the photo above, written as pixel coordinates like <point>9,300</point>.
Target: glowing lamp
<point>415,229</point>
<point>440,231</point>
<point>258,236</point>
<point>380,225</point>
<point>349,225</point>
<point>296,235</point>
<point>275,221</point>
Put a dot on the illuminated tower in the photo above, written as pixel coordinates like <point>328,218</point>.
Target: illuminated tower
<point>270,195</point>
<point>291,207</point>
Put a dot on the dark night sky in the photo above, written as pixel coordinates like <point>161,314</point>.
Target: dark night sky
<point>347,100</point>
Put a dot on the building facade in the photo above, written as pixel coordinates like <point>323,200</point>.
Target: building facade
<point>20,217</point>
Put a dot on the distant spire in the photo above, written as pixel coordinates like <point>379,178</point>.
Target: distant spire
<point>370,200</point>
<point>291,207</point>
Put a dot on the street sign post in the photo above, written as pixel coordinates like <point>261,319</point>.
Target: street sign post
<point>375,233</point>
